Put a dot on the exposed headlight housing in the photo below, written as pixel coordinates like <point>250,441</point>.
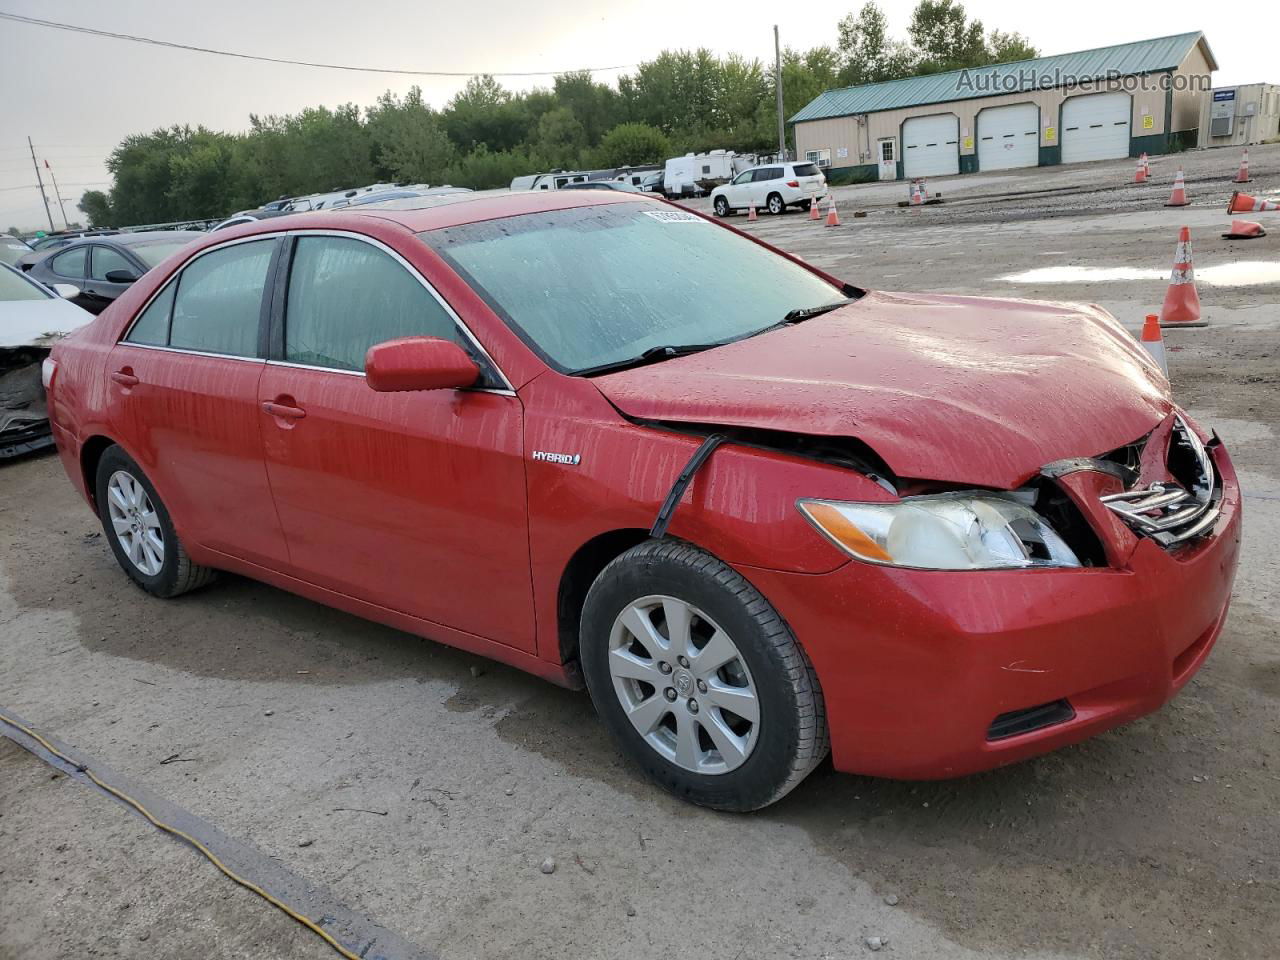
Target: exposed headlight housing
<point>973,530</point>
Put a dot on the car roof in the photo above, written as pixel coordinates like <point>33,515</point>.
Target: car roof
<point>151,236</point>
<point>420,214</point>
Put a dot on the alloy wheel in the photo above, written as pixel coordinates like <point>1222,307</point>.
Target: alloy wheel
<point>684,685</point>
<point>135,522</point>
<point>775,204</point>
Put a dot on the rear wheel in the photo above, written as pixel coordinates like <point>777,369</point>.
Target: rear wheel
<point>140,531</point>
<point>775,204</point>
<point>722,206</point>
<point>698,678</point>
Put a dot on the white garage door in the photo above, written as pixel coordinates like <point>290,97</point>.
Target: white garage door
<point>1009,137</point>
<point>1096,127</point>
<point>931,146</point>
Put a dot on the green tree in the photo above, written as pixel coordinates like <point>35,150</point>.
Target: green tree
<point>945,37</point>
<point>561,138</point>
<point>96,205</point>
<point>867,53</point>
<point>631,144</point>
<point>408,139</point>
<point>1009,47</point>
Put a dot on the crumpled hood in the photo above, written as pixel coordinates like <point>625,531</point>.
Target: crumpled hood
<point>957,389</point>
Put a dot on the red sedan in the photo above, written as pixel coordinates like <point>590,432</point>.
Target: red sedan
<point>761,513</point>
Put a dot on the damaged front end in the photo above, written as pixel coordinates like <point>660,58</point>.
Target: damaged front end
<point>24,416</point>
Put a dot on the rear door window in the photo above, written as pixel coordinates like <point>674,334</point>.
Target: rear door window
<point>71,263</point>
<point>152,327</point>
<point>345,295</point>
<point>218,305</point>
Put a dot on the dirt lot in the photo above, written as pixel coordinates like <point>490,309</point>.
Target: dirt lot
<point>420,788</point>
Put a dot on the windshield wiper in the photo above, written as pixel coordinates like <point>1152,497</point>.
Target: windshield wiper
<point>652,355</point>
<point>804,313</point>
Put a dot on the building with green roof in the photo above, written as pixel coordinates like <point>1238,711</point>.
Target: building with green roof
<point>1100,104</point>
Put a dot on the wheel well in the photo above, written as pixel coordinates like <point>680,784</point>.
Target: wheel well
<point>772,194</point>
<point>90,453</point>
<point>579,573</point>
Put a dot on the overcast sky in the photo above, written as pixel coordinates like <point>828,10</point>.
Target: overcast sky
<point>77,96</point>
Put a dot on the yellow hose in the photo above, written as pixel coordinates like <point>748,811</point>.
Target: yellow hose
<point>208,854</point>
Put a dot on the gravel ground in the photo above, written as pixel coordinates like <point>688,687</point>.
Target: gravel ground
<point>430,786</point>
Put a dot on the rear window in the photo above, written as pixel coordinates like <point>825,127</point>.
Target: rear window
<point>805,169</point>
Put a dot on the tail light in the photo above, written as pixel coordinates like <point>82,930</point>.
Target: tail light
<point>793,183</point>
<point>47,371</point>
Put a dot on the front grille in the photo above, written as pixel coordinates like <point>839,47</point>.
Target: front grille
<point>1033,718</point>
<point>1173,513</point>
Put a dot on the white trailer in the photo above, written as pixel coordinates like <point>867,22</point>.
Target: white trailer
<point>696,174</point>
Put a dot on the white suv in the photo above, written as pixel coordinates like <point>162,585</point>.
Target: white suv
<point>774,188</point>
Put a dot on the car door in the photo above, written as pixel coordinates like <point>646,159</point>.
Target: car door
<point>762,183</point>
<point>413,501</point>
<point>739,189</point>
<point>69,266</point>
<point>97,289</point>
<point>184,400</point>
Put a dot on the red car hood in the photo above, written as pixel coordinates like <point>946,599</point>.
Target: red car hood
<point>958,389</point>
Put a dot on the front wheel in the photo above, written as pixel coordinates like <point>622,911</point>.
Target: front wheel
<point>776,206</point>
<point>699,680</point>
<point>722,206</point>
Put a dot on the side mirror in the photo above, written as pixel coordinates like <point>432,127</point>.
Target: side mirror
<point>121,276</point>
<point>419,363</point>
<point>67,291</point>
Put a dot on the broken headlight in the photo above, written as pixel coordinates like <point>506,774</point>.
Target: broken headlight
<point>975,530</point>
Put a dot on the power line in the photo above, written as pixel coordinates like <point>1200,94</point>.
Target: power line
<point>73,28</point>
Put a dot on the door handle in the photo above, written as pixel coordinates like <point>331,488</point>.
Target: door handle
<point>125,378</point>
<point>283,410</point>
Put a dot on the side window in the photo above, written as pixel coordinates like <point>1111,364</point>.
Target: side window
<point>345,295</point>
<point>153,326</point>
<point>71,263</point>
<point>219,300</point>
<point>105,260</point>
<point>744,177</point>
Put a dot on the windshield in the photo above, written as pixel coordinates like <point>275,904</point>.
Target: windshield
<point>14,286</point>
<point>11,249</point>
<point>153,253</point>
<point>597,285</point>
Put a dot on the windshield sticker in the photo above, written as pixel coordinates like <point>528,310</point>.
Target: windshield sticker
<point>674,216</point>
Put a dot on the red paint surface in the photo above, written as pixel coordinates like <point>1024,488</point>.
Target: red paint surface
<point>426,510</point>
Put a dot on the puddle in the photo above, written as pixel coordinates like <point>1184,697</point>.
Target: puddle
<point>1246,274</point>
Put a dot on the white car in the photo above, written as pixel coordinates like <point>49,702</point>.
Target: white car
<point>773,187</point>
<point>32,318</point>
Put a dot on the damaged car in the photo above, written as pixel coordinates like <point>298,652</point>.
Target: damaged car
<point>760,513</point>
<point>32,319</point>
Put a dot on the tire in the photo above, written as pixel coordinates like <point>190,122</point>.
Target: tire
<point>164,571</point>
<point>765,758</point>
<point>805,205</point>
<point>722,206</point>
<point>775,204</point>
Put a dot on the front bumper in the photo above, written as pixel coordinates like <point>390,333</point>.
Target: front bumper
<point>916,666</point>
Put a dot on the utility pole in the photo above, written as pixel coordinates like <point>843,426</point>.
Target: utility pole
<point>40,180</point>
<point>777,64</point>
<point>58,193</point>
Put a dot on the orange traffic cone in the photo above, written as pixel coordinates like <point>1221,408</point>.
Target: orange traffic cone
<point>1244,230</point>
<point>833,218</point>
<point>1181,301</point>
<point>1146,164</point>
<point>1141,175</point>
<point>1243,175</point>
<point>917,195</point>
<point>1153,341</point>
<point>815,212</point>
<point>1243,203</point>
<point>751,212</point>
<point>1179,196</point>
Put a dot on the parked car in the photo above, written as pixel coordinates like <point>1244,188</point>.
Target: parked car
<point>652,182</point>
<point>618,185</point>
<point>32,318</point>
<point>104,267</point>
<point>774,188</point>
<point>12,248</point>
<point>756,509</point>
